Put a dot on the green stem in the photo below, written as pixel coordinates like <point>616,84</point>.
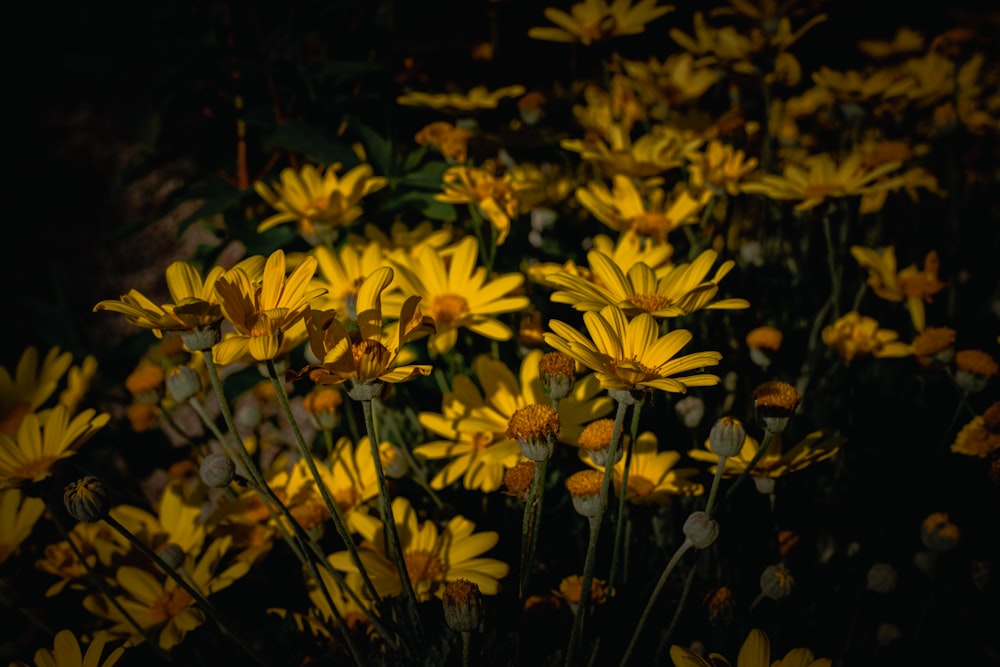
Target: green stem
<point>623,496</point>
<point>466,649</point>
<point>750,466</point>
<point>529,524</point>
<point>715,484</point>
<point>684,548</point>
<point>595,528</point>
<point>831,262</point>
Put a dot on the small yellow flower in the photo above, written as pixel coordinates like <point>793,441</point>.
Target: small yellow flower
<point>18,515</point>
<point>906,41</point>
<point>916,287</point>
<point>764,338</point>
<point>477,98</point>
<point>39,443</point>
<point>631,354</point>
<point>935,343</point>
<point>855,335</point>
<point>663,86</point>
<point>981,436</point>
<point>592,21</point>
<point>652,475</point>
<point>938,533</point>
<point>854,86</point>
<point>755,652</point>
<point>719,167</point>
<point>452,142</point>
<point>321,202</point>
<point>815,447</point>
<point>31,386</point>
<point>649,155</point>
<point>340,273</point>
<point>494,197</point>
<point>68,652</point>
<point>571,587</point>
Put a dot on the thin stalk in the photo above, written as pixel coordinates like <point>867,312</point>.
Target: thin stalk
<point>832,265</point>
<point>595,528</point>
<point>623,496</point>
<point>715,484</point>
<point>671,564</point>
<point>677,612</point>
<point>750,466</point>
<point>529,525</point>
<point>466,649</point>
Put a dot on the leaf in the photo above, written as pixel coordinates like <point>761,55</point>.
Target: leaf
<point>317,143</point>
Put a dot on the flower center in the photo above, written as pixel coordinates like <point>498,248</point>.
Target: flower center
<point>650,302</point>
<point>423,566</point>
<point>632,370</point>
<point>639,486</point>
<point>347,498</point>
<point>651,223</point>
<point>169,605</point>
<point>448,308</point>
<point>481,440</point>
<point>265,323</point>
<point>33,468</point>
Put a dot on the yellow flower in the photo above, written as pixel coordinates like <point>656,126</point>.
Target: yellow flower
<point>679,291</point>
<point>67,652</point>
<point>31,386</point>
<point>629,249</point>
<point>178,519</point>
<point>477,98</point>
<point>474,425</point>
<point>494,197</point>
<point>819,178</point>
<point>41,442</point>
<point>432,557</point>
<point>719,167</point>
<point>755,652</point>
<point>631,354</point>
<point>981,436</point>
<point>402,238</point>
<point>78,380</point>
<point>663,86</point>
<point>595,20</point>
<point>652,478</point>
<point>97,542</point>
<point>571,587</point>
<point>158,604</point>
<point>649,155</point>
<point>855,335</point>
<point>340,274</point>
<point>651,213</point>
<point>815,447</point>
<point>452,142</point>
<point>262,313</point>
<point>906,41</point>
<point>321,202</point>
<point>18,515</point>
<point>854,86</point>
<point>917,287</point>
<point>458,295</point>
<point>369,353</point>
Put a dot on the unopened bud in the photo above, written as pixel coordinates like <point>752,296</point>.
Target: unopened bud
<point>463,605</point>
<point>87,499</point>
<point>701,529</point>
<point>727,436</point>
<point>217,470</point>
<point>183,382</point>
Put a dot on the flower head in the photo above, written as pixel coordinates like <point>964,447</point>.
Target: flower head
<point>855,335</point>
<point>981,436</point>
<point>915,286</point>
<point>18,515</point>
<point>653,478</point>
<point>535,428</point>
<point>815,447</point>
<point>31,386</point>
<point>494,196</point>
<point>592,21</point>
<point>631,354</point>
<point>39,443</point>
<point>477,98</point>
<point>67,652</point>
<point>452,142</point>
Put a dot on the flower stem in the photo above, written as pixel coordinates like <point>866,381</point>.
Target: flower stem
<point>750,466</point>
<point>677,611</point>
<point>623,496</point>
<point>832,265</point>
<point>530,523</point>
<point>595,528</point>
<point>715,484</point>
<point>671,564</point>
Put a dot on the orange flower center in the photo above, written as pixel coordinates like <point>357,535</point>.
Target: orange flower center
<point>347,498</point>
<point>639,486</point>
<point>650,302</point>
<point>448,308</point>
<point>822,190</point>
<point>423,566</point>
<point>651,223</point>
<point>631,370</point>
<point>169,605</point>
<point>481,440</point>
<point>33,468</point>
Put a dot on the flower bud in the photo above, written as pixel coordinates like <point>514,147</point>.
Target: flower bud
<point>87,499</point>
<point>701,529</point>
<point>394,463</point>
<point>202,338</point>
<point>463,605</point>
<point>323,405</point>
<point>939,533</point>
<point>774,403</point>
<point>518,480</point>
<point>727,436</point>
<point>585,491</point>
<point>595,439</point>
<point>535,428</point>
<point>217,470</point>
<point>764,485</point>
<point>882,578</point>
<point>183,382</point>
<point>776,582</point>
<point>557,372</point>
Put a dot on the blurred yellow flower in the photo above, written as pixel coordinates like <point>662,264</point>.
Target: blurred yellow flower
<point>719,167</point>
<point>41,441</point>
<point>981,436</point>
<point>627,355</point>
<point>459,294</point>
<point>906,41</point>
<point>18,515</point>
<point>681,290</point>
<point>652,477</point>
<point>473,425</point>
<point>401,238</point>
<point>433,557</point>
<point>321,202</point>
<point>649,155</point>
<point>68,652</point>
<point>97,542</point>
<point>263,313</point>
<point>478,97</point>
<point>451,141</point>
<point>854,86</point>
<point>855,335</point>
<point>595,20</point>
<point>31,386</point>
<point>755,652</point>
<point>664,86</point>
<point>650,212</point>
<point>178,519</point>
<point>493,196</point>
<point>815,447</point>
<point>916,287</point>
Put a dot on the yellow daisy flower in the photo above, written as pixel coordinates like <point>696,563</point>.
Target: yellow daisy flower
<point>649,155</point>
<point>493,196</point>
<point>158,604</point>
<point>178,519</point>
<point>340,274</point>
<point>755,652</point>
<point>916,287</point>
<point>628,355</point>
<point>451,141</point>
<point>855,335</point>
<point>262,313</point>
<point>906,41</point>
<point>459,295</point>
<point>679,291</point>
<point>31,386</point>
<point>629,249</point>
<point>321,202</point>
<point>474,424</point>
<point>651,212</point>
<point>67,652</point>
<point>719,167</point>
<point>664,86</point>
<point>98,542</point>
<point>820,178</point>
<point>18,515</point>
<point>369,353</point>
<point>433,558</point>
<point>402,238</point>
<point>39,443</point>
<point>652,478</point>
<point>858,87</point>
<point>595,20</point>
<point>78,379</point>
<point>815,447</point>
<point>478,97</point>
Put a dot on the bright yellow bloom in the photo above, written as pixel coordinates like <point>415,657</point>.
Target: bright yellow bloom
<point>477,98</point>
<point>755,652</point>
<point>320,202</point>
<point>681,290</point>
<point>855,335</point>
<point>459,295</point>
<point>538,186</point>
<point>263,313</point>
<point>649,155</point>
<point>18,515</point>
<point>340,273</point>
<point>719,167</point>
<point>652,478</point>
<point>370,353</point>
<point>815,447</point>
<point>819,178</point>
<point>178,519</point>
<point>67,652</point>
<point>494,197</point>
<point>610,113</point>
<point>158,604</point>
<point>651,212</point>
<point>432,557</point>
<point>473,425</point>
<point>31,386</point>
<point>402,238</point>
<point>916,287</point>
<point>631,354</point>
<point>40,442</point>
<point>595,20</point>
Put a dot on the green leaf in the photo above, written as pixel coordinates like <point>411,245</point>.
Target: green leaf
<point>317,143</point>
